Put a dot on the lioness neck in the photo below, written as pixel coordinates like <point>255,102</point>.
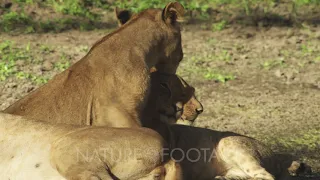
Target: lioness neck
<point>131,51</point>
<point>135,42</point>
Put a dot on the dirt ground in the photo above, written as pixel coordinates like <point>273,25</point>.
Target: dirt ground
<point>273,94</point>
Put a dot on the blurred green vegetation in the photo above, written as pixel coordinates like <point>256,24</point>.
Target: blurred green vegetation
<point>87,14</point>
<point>10,55</point>
<point>306,140</point>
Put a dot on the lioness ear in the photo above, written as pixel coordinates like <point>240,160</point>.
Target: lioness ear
<point>172,13</point>
<point>122,15</point>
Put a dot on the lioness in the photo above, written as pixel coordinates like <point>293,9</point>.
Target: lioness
<point>112,80</point>
<point>39,150</point>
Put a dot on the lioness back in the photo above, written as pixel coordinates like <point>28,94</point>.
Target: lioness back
<point>64,99</point>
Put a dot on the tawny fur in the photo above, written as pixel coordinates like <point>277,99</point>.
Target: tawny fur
<point>168,97</point>
<point>29,143</point>
<point>173,98</point>
<point>224,155</point>
<point>178,86</point>
<point>229,156</point>
<point>40,150</point>
<point>112,80</point>
<point>192,108</point>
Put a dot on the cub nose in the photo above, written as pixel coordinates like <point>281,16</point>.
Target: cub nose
<point>199,110</point>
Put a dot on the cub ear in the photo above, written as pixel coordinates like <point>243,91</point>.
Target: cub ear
<point>153,69</point>
<point>173,12</point>
<point>122,15</point>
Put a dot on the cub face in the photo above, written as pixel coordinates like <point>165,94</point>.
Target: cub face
<point>176,99</point>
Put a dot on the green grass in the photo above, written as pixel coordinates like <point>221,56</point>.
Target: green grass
<point>306,54</point>
<point>34,78</point>
<point>225,56</point>
<point>270,64</point>
<point>63,63</point>
<point>218,76</point>
<point>305,2</point>
<point>306,49</point>
<point>23,23</point>
<point>191,5</point>
<point>10,54</point>
<point>204,67</point>
<point>309,139</point>
<point>73,7</point>
<point>46,49</point>
<point>219,26</point>
<point>86,14</point>
<point>11,19</point>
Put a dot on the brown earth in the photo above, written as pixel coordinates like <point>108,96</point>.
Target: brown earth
<point>274,96</point>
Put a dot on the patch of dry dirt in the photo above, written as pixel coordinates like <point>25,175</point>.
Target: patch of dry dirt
<point>275,94</point>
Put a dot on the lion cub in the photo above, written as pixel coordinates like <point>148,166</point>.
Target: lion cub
<point>207,154</point>
<point>112,81</point>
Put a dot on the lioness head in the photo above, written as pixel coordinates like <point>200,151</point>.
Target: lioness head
<point>167,20</point>
<point>176,99</point>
